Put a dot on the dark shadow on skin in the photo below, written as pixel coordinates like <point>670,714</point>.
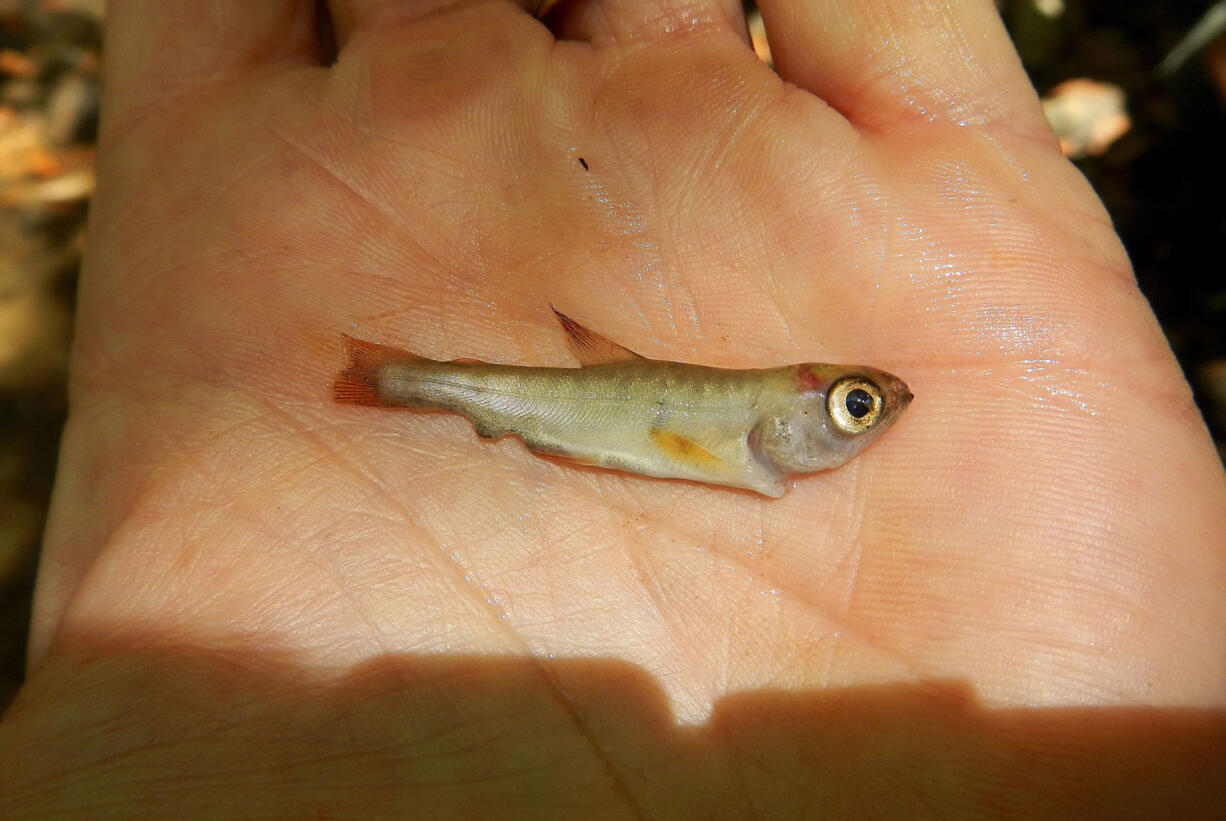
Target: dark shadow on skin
<point>179,730</point>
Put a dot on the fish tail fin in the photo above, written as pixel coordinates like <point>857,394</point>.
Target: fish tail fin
<point>358,384</point>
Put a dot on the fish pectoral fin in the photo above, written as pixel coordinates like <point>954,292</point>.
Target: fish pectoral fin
<point>683,449</point>
<point>591,348</point>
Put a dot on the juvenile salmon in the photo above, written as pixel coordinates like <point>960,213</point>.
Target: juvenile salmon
<point>749,429</point>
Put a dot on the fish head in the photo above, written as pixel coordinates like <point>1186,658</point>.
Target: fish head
<point>824,415</point>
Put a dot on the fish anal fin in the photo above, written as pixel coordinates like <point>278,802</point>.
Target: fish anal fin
<point>591,348</point>
<point>682,449</point>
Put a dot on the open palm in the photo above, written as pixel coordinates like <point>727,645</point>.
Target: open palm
<point>1041,528</point>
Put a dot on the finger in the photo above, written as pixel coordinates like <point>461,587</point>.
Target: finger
<point>159,51</point>
<point>882,61</point>
<point>621,22</point>
<point>349,16</point>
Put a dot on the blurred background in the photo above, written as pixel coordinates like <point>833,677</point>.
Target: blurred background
<point>1136,92</point>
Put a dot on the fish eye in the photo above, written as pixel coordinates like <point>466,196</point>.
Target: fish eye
<point>855,404</point>
<point>859,402</point>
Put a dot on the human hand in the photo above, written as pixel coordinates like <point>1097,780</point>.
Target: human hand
<point>240,575</point>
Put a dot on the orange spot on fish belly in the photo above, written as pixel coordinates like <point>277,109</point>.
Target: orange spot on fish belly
<point>681,449</point>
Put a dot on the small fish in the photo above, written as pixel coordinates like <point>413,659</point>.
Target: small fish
<point>748,429</point>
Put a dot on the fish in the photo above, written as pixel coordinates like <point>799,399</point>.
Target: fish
<point>752,429</point>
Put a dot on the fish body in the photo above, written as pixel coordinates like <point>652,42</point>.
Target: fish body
<point>749,429</point>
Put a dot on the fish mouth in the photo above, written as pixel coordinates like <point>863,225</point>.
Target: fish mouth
<point>898,397</point>
<point>897,390</point>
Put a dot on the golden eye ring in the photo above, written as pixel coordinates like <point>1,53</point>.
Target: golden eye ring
<point>855,404</point>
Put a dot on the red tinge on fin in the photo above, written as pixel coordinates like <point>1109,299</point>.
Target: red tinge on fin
<point>589,347</point>
<point>358,384</point>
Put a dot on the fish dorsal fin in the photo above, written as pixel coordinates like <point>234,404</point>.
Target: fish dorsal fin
<point>589,347</point>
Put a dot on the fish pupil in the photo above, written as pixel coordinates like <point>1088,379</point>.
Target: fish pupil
<point>859,403</point>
